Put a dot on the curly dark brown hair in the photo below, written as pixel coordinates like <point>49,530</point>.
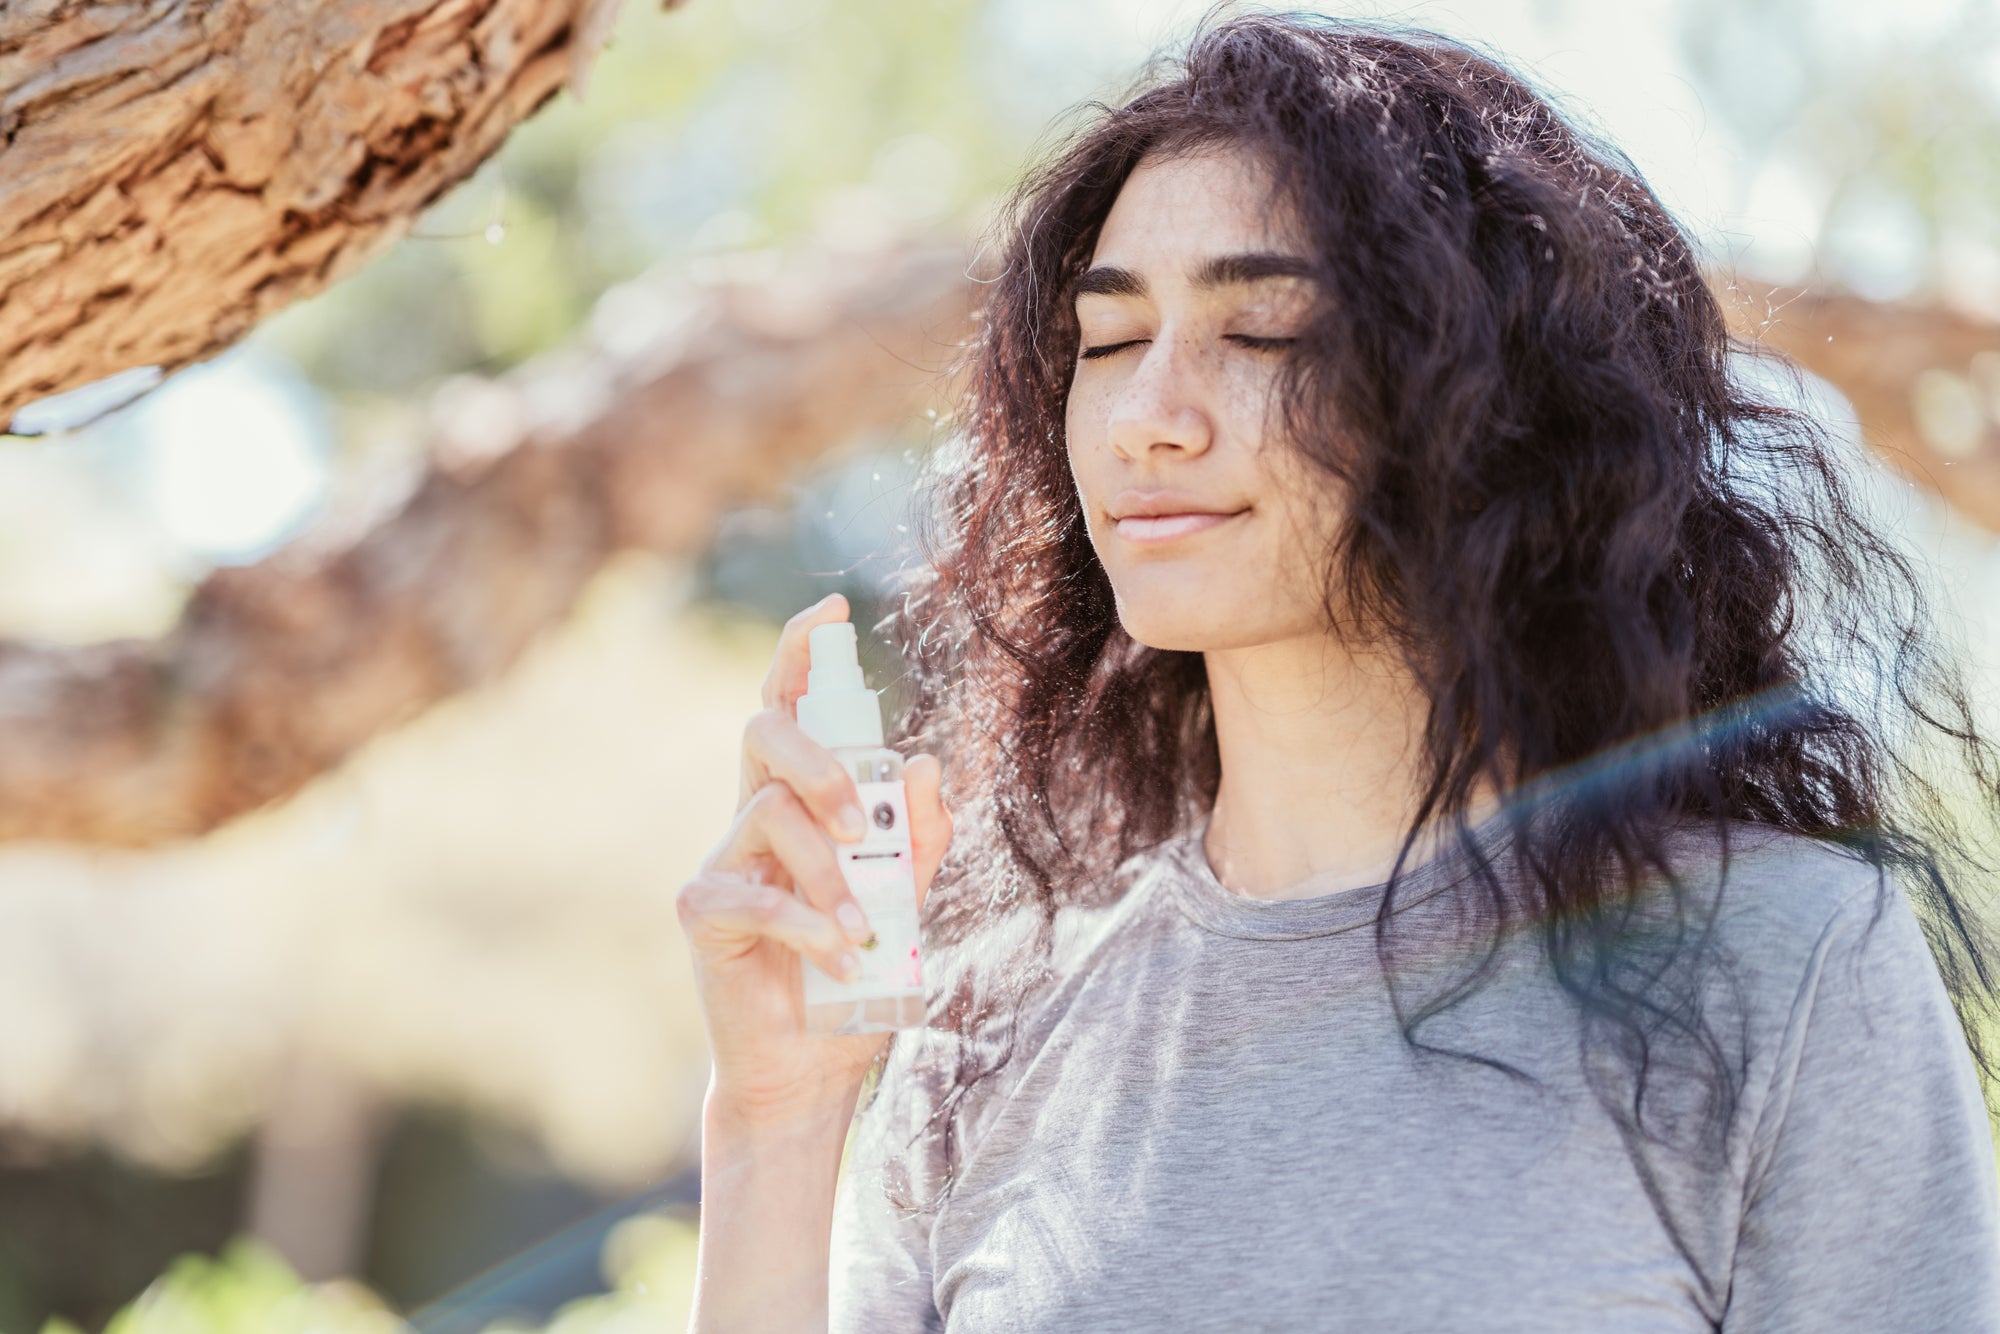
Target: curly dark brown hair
<point>1637,591</point>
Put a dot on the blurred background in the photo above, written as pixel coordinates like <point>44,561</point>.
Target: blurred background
<point>354,992</point>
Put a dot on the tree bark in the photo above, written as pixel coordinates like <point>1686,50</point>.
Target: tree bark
<point>277,671</point>
<point>174,171</point>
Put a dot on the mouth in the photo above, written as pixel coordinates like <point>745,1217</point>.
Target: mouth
<point>1147,529</point>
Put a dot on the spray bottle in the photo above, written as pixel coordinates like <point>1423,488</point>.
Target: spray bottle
<point>840,712</point>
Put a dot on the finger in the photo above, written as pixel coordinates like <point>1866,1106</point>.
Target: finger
<point>930,820</point>
<point>776,825</point>
<point>786,680</point>
<point>722,913</point>
<point>776,747</point>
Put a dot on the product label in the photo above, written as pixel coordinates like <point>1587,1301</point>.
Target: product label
<point>881,874</point>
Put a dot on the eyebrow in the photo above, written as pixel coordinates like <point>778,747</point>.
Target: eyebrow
<point>1217,271</point>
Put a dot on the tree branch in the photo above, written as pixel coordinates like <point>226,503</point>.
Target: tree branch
<point>279,670</point>
<point>1875,353</point>
<point>173,172</point>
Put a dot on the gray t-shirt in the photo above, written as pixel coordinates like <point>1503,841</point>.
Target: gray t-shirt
<point>1211,1122</point>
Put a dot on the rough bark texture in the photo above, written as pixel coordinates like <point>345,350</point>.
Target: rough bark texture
<point>173,171</point>
<point>1874,352</point>
<point>279,670</point>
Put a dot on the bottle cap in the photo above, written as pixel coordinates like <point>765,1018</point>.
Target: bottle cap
<point>838,708</point>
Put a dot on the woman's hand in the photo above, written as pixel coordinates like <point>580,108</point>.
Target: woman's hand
<point>772,891</point>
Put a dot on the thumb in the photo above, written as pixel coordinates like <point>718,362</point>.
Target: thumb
<point>930,822</point>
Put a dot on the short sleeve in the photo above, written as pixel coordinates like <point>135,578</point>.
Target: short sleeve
<point>879,1278</point>
<point>1871,1201</point>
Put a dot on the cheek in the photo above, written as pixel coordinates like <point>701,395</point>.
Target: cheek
<point>1081,436</point>
<point>1304,525</point>
<point>1251,395</point>
<point>1080,410</point>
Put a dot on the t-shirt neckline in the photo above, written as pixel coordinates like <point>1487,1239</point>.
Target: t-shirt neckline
<point>1303,912</point>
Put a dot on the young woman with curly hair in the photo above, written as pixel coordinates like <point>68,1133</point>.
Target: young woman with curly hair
<point>1461,821</point>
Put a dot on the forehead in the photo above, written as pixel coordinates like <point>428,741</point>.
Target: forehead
<point>1174,211</point>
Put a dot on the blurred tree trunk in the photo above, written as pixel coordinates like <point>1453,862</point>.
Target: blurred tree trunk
<point>1924,382</point>
<point>313,1173</point>
<point>172,172</point>
<point>277,671</point>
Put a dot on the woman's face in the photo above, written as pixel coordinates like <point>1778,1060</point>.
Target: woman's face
<point>1211,532</point>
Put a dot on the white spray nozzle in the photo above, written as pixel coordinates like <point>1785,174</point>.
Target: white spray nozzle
<point>836,657</point>
<point>838,708</point>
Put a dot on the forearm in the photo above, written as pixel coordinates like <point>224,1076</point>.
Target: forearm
<point>766,1220</point>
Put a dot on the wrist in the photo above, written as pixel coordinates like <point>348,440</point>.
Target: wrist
<point>734,1113</point>
<point>769,1175</point>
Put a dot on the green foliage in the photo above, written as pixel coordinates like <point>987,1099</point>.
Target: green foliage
<point>649,1261</point>
<point>249,1289</point>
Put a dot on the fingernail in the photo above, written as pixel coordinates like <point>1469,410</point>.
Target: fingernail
<point>850,966</point>
<point>851,918</point>
<point>852,822</point>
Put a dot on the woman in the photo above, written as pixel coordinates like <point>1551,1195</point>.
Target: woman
<point>1443,772</point>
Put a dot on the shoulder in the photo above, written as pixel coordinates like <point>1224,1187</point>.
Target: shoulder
<point>1826,950</point>
<point>1085,934</point>
<point>1781,897</point>
<point>1796,932</point>
<point>1865,1134</point>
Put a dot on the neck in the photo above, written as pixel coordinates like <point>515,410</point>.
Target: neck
<point>1319,746</point>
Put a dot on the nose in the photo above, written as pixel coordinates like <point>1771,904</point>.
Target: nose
<point>1162,405</point>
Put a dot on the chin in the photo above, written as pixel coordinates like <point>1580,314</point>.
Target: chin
<point>1185,623</point>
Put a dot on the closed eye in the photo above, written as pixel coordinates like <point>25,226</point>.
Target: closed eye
<point>1247,340</point>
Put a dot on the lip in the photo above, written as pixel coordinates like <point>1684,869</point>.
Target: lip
<point>1153,501</point>
<point>1150,517</point>
<point>1147,529</point>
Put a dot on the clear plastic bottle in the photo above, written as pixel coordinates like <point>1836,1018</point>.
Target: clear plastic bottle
<point>840,712</point>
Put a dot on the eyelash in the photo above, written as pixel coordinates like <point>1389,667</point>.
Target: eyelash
<point>1248,340</point>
